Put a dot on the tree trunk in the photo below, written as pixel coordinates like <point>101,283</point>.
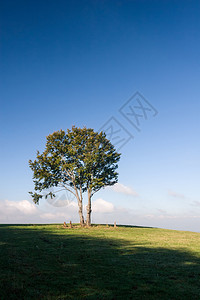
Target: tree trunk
<point>80,205</point>
<point>80,211</point>
<point>88,222</point>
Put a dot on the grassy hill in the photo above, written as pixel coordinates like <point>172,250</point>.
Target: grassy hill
<point>52,262</point>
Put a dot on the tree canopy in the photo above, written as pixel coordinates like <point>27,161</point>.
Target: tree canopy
<point>79,160</point>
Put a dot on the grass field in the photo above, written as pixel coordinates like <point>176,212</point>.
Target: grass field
<point>51,262</point>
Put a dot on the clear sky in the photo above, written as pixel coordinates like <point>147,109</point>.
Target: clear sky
<point>79,62</point>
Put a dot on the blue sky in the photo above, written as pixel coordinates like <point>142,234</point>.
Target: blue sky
<point>78,62</point>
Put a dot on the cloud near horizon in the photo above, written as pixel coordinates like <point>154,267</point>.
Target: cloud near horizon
<point>102,206</point>
<point>23,206</point>
<point>195,203</point>
<point>25,211</point>
<point>103,212</point>
<point>121,188</point>
<point>176,195</point>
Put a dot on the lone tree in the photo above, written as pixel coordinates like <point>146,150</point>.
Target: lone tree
<point>79,160</point>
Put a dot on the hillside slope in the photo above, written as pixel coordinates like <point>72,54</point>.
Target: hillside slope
<point>52,262</point>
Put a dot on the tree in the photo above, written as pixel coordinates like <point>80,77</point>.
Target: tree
<point>79,160</point>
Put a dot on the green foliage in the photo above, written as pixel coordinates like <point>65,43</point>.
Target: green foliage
<point>77,160</point>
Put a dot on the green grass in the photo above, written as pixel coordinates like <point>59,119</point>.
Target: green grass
<point>50,262</point>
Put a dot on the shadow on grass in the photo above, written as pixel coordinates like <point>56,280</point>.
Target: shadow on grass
<point>37,263</point>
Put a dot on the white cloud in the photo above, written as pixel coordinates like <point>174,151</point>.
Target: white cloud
<point>23,206</point>
<point>162,211</point>
<point>102,206</point>
<point>195,203</point>
<point>121,188</point>
<point>103,212</point>
<point>73,204</point>
<point>25,211</point>
<point>176,195</point>
<point>51,216</point>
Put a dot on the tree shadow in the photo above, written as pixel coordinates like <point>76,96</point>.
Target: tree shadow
<point>37,263</point>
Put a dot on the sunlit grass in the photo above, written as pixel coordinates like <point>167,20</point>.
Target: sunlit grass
<point>52,262</point>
